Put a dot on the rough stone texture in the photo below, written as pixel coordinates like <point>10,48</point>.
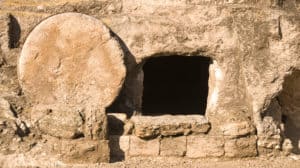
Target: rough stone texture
<point>254,45</point>
<point>202,146</point>
<point>62,124</point>
<point>167,125</point>
<point>86,151</point>
<point>173,146</point>
<point>241,147</point>
<point>73,49</point>
<point>237,129</point>
<point>140,147</point>
<point>5,110</point>
<point>76,151</point>
<point>70,62</point>
<point>287,147</point>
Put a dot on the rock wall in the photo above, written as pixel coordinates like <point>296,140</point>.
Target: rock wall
<point>254,45</point>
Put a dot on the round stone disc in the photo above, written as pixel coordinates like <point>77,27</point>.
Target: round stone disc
<point>71,59</point>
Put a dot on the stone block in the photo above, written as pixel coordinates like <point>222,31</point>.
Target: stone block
<point>168,125</point>
<point>141,147</point>
<point>83,151</point>
<point>62,124</point>
<point>50,78</point>
<point>173,146</point>
<point>119,146</point>
<point>241,147</point>
<point>204,146</point>
<point>237,129</point>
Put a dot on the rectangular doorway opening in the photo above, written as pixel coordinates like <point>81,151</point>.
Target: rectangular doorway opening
<point>175,85</point>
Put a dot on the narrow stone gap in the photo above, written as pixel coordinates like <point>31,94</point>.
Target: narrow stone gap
<point>14,32</point>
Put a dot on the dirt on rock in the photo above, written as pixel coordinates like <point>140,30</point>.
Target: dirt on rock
<point>158,162</point>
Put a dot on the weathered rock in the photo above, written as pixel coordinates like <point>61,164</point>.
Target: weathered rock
<point>173,146</point>
<point>201,146</point>
<point>237,129</point>
<point>9,85</point>
<point>82,151</point>
<point>62,124</point>
<point>5,110</point>
<point>287,147</point>
<point>270,139</point>
<point>269,145</point>
<point>4,20</point>
<point>254,46</point>
<point>140,147</point>
<point>7,135</point>
<point>21,128</point>
<point>167,125</point>
<point>128,128</point>
<point>241,147</point>
<point>70,62</point>
<point>71,58</point>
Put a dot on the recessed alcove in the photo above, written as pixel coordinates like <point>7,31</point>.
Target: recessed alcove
<point>289,100</point>
<point>175,85</point>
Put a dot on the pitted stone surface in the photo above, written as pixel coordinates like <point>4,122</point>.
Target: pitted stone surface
<point>168,125</point>
<point>71,59</point>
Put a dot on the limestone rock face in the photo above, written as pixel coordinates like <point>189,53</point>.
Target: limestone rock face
<point>70,63</point>
<point>5,109</point>
<point>71,68</point>
<point>167,125</point>
<point>62,124</point>
<point>237,129</point>
<point>241,147</point>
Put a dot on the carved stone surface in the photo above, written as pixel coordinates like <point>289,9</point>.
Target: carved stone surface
<point>168,125</point>
<point>70,63</point>
<point>71,59</point>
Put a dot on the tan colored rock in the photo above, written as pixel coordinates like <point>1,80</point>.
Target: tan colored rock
<point>62,124</point>
<point>203,146</point>
<point>128,128</point>
<point>173,146</point>
<point>70,62</point>
<point>237,129</point>
<point>241,147</point>
<point>287,147</point>
<point>253,50</point>
<point>140,147</point>
<point>83,151</point>
<point>5,110</point>
<point>168,125</point>
<point>71,59</point>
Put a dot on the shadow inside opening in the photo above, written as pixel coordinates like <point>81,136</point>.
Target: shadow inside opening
<point>175,85</point>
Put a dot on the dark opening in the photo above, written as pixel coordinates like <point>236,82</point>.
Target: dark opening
<point>289,101</point>
<point>175,85</point>
<point>14,32</point>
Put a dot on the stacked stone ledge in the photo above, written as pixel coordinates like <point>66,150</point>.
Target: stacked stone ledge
<point>237,141</point>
